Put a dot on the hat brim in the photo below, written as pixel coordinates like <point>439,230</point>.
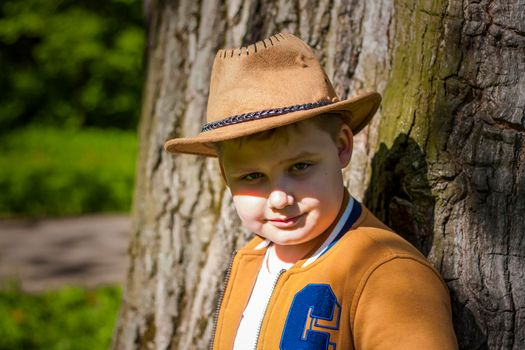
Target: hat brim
<point>361,107</point>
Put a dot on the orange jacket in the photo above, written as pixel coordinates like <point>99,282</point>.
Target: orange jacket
<point>370,290</point>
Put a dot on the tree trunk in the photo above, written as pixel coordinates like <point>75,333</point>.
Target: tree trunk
<point>442,163</point>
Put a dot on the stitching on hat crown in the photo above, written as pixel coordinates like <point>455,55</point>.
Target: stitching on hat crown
<point>246,48</point>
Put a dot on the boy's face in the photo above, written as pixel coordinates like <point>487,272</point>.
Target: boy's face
<point>288,188</point>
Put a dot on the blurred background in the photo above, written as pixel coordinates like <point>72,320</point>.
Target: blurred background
<point>71,75</point>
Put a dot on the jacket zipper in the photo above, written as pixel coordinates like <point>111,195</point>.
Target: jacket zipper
<point>221,298</point>
<point>268,303</point>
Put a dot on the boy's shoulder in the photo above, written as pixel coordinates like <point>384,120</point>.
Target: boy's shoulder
<point>375,247</point>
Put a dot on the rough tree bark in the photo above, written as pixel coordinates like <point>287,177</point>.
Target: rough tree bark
<point>442,163</point>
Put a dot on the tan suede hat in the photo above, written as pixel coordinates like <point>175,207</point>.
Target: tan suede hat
<point>271,83</point>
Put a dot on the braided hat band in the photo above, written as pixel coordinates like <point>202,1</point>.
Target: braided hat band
<point>246,117</point>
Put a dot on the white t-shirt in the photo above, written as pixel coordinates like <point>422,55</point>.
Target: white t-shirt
<point>262,290</point>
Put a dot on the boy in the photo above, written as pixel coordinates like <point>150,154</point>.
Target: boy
<point>322,272</point>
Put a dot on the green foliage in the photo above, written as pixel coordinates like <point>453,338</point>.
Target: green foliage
<point>56,172</point>
<point>68,318</point>
<point>71,63</point>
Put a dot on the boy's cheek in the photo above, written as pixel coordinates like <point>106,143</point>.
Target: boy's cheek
<point>249,207</point>
<point>250,211</point>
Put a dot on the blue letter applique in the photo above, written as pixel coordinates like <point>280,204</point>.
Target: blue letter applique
<point>314,309</point>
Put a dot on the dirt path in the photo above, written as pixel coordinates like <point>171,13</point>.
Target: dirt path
<point>86,250</point>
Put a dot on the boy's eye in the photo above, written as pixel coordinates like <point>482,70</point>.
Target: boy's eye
<point>252,176</point>
<point>300,166</point>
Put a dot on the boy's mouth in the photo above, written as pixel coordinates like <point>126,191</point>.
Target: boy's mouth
<point>285,222</point>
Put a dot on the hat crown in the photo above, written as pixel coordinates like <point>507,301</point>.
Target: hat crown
<point>277,72</point>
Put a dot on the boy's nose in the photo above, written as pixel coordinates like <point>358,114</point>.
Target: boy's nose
<point>279,199</point>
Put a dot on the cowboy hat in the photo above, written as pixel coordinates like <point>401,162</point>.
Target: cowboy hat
<point>274,82</point>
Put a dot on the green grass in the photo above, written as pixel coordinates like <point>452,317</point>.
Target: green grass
<point>53,172</point>
<point>68,318</point>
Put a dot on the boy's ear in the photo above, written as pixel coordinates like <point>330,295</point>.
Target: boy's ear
<point>345,144</point>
